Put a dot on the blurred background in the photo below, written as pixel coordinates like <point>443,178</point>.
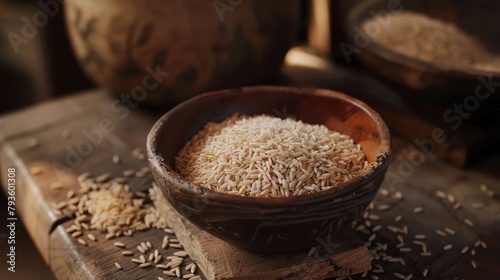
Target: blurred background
<point>44,68</point>
<point>325,44</point>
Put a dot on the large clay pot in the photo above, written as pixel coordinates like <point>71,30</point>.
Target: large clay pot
<point>174,49</point>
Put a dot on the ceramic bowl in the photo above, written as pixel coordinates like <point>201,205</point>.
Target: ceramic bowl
<point>270,224</point>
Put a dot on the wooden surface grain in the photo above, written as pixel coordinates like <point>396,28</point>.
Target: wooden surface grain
<point>62,158</point>
<point>344,255</point>
<point>416,180</point>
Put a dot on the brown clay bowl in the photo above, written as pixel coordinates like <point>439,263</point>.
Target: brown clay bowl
<point>270,224</point>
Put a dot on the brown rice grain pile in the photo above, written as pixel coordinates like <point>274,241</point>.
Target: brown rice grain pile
<point>264,156</point>
<point>116,209</point>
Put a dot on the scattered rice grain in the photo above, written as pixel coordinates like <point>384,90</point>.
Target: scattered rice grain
<point>449,231</point>
<point>128,173</point>
<point>468,222</point>
<point>158,259</point>
<point>162,266</point>
<point>36,170</point>
<point>169,273</point>
<point>384,207</point>
<point>477,205</point>
<point>110,235</point>
<point>56,186</point>
<point>439,232</point>
<point>373,217</point>
<point>141,249</point>
<point>310,253</point>
<point>144,265</point>
<point>477,243</point>
<point>465,249</point>
<point>92,237</point>
<point>116,159</point>
<point>84,176</point>
<point>102,178</point>
<point>441,194</point>
<point>376,228</point>
<point>81,241</point>
<point>70,194</point>
<point>447,247</point>
<point>137,261</point>
<point>178,272</point>
<point>398,275</point>
<point>397,195</point>
<point>127,253</point>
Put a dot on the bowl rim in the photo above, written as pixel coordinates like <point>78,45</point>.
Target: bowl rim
<point>159,166</point>
<point>355,19</point>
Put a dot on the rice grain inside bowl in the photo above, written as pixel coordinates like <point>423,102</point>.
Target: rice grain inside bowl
<point>265,156</point>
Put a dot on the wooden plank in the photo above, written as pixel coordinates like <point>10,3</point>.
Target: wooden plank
<point>417,180</point>
<point>79,114</point>
<point>71,260</point>
<point>419,185</point>
<point>343,256</point>
<point>16,152</point>
<point>60,161</point>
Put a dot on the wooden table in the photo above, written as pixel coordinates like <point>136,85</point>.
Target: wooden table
<point>408,187</point>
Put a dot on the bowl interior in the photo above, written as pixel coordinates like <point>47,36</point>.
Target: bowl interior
<point>337,111</point>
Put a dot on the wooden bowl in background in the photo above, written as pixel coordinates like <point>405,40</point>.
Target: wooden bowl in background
<point>427,78</point>
<point>270,224</point>
<point>193,45</point>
